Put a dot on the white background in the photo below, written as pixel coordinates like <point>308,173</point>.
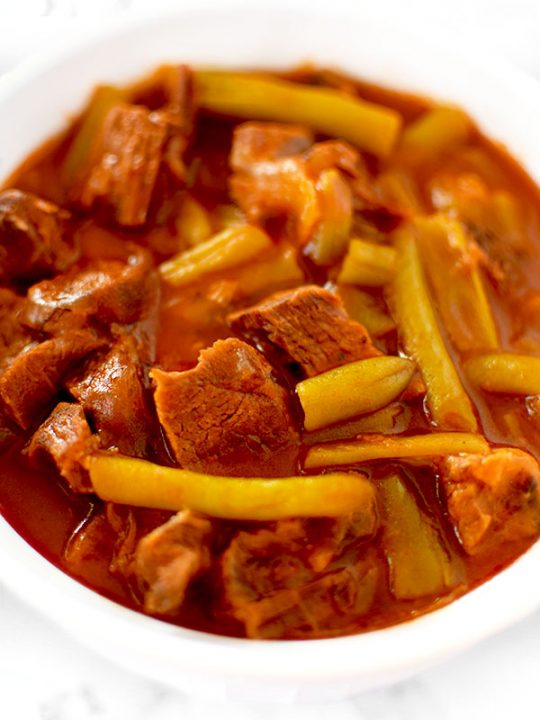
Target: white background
<point>44,675</point>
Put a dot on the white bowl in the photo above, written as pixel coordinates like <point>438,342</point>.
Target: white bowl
<point>35,101</point>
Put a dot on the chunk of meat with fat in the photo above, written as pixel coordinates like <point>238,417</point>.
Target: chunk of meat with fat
<point>308,327</point>
<point>169,558</point>
<point>272,585</point>
<point>492,499</point>
<point>276,169</point>
<point>228,415</point>
<point>34,377</point>
<point>65,440</point>
<point>111,390</point>
<point>34,238</point>
<point>106,292</point>
<point>124,163</point>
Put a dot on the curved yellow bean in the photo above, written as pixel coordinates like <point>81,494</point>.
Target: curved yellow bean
<point>353,389</point>
<point>381,447</point>
<point>130,481</point>
<point>505,373</point>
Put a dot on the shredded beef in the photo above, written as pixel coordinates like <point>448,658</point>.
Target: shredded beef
<point>111,391</point>
<point>227,415</point>
<point>65,439</point>
<point>308,327</point>
<point>34,377</point>
<point>492,499</point>
<point>169,558</point>
<point>33,237</point>
<point>271,586</point>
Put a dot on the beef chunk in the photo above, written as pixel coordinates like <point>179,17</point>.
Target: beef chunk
<point>308,327</point>
<point>34,377</point>
<point>107,292</point>
<point>227,415</point>
<point>492,499</point>
<point>169,558</point>
<point>12,333</point>
<point>276,169</point>
<point>33,237</point>
<point>256,142</point>
<point>124,163</point>
<point>111,391</point>
<point>272,588</point>
<point>65,439</point>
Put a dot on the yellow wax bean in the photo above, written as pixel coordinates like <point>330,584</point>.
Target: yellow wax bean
<point>331,235</point>
<point>418,562</point>
<point>280,270</point>
<point>434,133</point>
<point>454,275</point>
<point>353,389</point>
<point>362,307</point>
<point>380,447</point>
<point>394,418</point>
<point>368,264</point>
<point>231,247</point>
<point>193,224</point>
<point>448,402</point>
<point>505,373</point>
<point>371,127</point>
<point>130,481</point>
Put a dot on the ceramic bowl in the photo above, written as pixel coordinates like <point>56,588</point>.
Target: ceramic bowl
<point>35,101</point>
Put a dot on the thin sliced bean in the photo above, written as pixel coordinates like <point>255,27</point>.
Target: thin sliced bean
<point>393,419</point>
<point>451,264</point>
<point>449,404</point>
<point>380,447</point>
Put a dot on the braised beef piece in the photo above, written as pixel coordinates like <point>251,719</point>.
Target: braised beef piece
<point>13,335</point>
<point>271,586</point>
<point>308,327</point>
<point>492,499</point>
<point>34,377</point>
<point>228,415</point>
<point>34,240</point>
<point>124,163</point>
<point>256,142</point>
<point>65,439</point>
<point>169,558</point>
<point>106,292</point>
<point>111,391</point>
<point>276,168</point>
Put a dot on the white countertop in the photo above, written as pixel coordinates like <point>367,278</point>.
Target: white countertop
<point>45,675</point>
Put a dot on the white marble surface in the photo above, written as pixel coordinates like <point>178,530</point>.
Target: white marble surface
<point>45,675</point>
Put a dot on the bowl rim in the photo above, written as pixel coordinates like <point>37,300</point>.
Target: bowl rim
<point>418,642</point>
